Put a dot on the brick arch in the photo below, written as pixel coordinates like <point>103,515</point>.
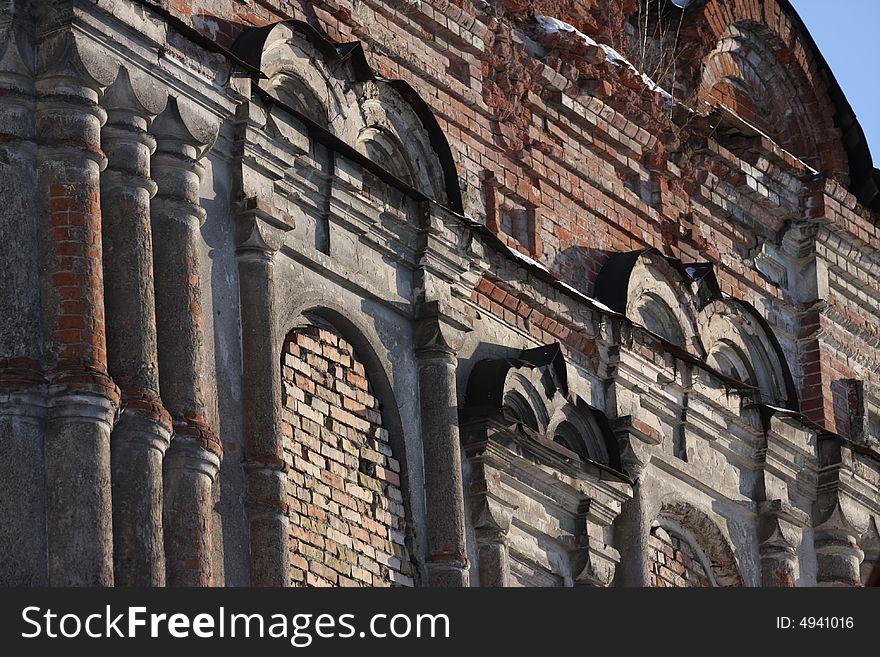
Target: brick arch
<point>704,547</point>
<point>775,26</point>
<point>744,73</point>
<point>346,489</point>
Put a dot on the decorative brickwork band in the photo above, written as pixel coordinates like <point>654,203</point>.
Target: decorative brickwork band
<point>71,74</point>
<point>188,388</point>
<point>142,434</point>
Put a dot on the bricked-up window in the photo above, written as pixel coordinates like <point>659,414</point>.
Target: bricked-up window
<point>347,517</point>
<point>675,561</point>
<point>517,220</point>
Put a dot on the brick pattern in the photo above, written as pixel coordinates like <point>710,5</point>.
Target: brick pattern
<point>516,309</point>
<point>347,518</point>
<point>674,562</point>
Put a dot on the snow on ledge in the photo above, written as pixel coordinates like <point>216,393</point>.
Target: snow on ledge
<point>552,25</point>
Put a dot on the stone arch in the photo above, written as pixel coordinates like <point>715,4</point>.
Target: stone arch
<point>531,392</point>
<point>694,530</point>
<point>840,148</point>
<point>346,462</point>
<point>742,346</point>
<point>653,291</point>
<point>305,70</point>
<point>744,73</point>
<point>393,128</point>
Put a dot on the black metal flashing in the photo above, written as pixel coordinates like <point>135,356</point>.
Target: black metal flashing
<point>611,445</point>
<point>612,283</point>
<point>485,389</point>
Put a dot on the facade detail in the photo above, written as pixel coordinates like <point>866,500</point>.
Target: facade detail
<point>446,293</point>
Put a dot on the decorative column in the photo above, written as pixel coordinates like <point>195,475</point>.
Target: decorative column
<point>259,235</point>
<point>22,394</point>
<point>82,403</point>
<point>593,563</point>
<point>491,517</point>
<point>143,431</point>
<point>192,462</point>
<point>436,346</point>
<point>780,530</point>
<point>633,525</point>
<point>838,555</point>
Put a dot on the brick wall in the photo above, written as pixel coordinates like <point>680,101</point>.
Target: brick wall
<point>568,157</point>
<point>348,524</point>
<point>674,561</point>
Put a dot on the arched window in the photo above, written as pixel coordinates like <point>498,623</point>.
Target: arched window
<point>687,548</point>
<point>676,559</point>
<point>347,516</point>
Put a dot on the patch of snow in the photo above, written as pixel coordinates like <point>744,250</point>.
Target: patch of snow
<point>779,409</point>
<point>519,255</point>
<point>552,25</point>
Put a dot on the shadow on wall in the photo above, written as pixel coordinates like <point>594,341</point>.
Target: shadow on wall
<point>579,266</point>
<point>846,395</point>
<point>217,233</point>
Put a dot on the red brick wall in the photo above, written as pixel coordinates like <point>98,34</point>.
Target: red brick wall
<point>674,562</point>
<point>588,161</point>
<point>348,524</point>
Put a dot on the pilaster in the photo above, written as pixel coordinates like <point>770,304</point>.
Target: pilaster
<point>192,462</point>
<point>143,431</point>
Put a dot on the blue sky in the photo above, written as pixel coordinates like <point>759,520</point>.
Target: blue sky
<point>846,32</point>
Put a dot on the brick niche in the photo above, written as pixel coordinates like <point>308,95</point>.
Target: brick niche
<point>347,518</point>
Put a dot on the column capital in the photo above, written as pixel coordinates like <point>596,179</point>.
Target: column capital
<point>192,129</point>
<point>491,516</point>
<point>837,547</point>
<point>780,531</point>
<point>438,333</point>
<point>259,228</point>
<point>593,564</point>
<point>592,561</point>
<point>68,54</point>
<point>133,91</point>
<point>780,526</point>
